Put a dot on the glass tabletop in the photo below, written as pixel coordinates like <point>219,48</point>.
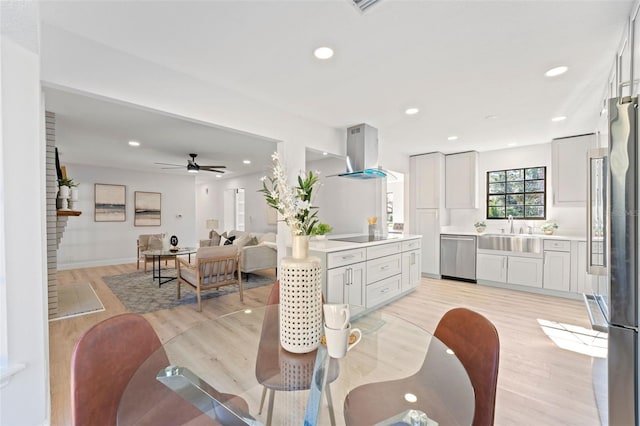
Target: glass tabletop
<point>234,370</point>
<point>170,252</point>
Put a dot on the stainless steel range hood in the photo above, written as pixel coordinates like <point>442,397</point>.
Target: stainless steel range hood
<point>362,153</point>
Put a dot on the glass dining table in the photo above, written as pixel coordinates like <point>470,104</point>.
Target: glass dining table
<point>221,371</point>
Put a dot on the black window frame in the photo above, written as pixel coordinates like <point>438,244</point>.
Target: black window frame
<point>523,193</point>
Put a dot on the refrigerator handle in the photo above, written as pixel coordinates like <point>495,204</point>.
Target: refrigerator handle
<point>596,211</point>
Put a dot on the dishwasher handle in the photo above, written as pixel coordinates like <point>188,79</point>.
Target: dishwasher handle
<point>456,238</point>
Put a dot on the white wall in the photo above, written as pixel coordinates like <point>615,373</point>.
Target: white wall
<point>90,243</point>
<point>571,220</point>
<point>25,399</point>
<point>346,203</point>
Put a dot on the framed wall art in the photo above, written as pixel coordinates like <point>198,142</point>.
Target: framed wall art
<point>147,208</point>
<point>110,203</point>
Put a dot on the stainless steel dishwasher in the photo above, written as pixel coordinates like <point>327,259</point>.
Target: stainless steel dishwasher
<point>458,257</point>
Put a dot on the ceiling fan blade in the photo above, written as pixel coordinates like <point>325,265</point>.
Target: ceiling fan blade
<point>172,168</point>
<point>169,164</point>
<point>213,167</point>
<point>211,170</point>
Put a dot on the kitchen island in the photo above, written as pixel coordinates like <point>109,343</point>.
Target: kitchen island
<point>371,273</point>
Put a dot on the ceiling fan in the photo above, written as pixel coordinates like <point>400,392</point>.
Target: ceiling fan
<point>193,167</point>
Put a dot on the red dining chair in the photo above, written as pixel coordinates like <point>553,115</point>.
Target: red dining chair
<point>474,340</point>
<point>103,363</point>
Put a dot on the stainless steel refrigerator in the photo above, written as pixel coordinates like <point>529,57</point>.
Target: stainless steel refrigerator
<point>613,250</point>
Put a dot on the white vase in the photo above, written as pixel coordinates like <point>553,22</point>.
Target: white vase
<point>300,299</point>
<point>64,192</point>
<point>165,241</point>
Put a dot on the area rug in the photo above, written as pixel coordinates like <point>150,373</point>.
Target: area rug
<point>139,293</point>
<point>77,299</point>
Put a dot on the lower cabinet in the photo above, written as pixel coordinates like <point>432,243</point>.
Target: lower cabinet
<point>347,284</point>
<point>525,271</point>
<point>509,269</point>
<point>411,270</point>
<point>491,267</point>
<point>557,270</point>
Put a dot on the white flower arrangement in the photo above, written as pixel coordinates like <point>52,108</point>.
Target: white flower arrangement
<point>294,204</point>
<point>549,226</point>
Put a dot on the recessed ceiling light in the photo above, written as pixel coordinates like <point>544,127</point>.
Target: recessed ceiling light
<point>323,52</point>
<point>246,161</point>
<point>559,118</point>
<point>218,176</point>
<point>134,143</point>
<point>512,144</point>
<point>411,111</point>
<point>554,72</point>
<point>452,138</point>
<point>325,153</point>
<point>491,117</point>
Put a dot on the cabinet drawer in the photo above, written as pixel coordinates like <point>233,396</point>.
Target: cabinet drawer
<point>374,252</point>
<point>382,291</point>
<point>379,269</point>
<point>346,257</point>
<point>557,245</point>
<point>411,245</point>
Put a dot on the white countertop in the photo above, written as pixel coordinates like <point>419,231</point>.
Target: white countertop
<point>328,245</point>
<point>535,234</point>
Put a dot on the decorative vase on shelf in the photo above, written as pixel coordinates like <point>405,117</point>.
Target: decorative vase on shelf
<point>548,231</point>
<point>480,229</point>
<point>300,298</point>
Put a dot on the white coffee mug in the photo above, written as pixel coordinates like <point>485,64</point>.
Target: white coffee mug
<point>336,315</point>
<point>338,340</point>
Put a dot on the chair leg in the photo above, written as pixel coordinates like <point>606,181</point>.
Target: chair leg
<point>178,288</point>
<point>272,396</point>
<point>240,285</point>
<point>199,300</point>
<point>264,393</point>
<point>332,416</point>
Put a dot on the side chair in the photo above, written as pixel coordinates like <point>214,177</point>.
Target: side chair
<point>474,340</point>
<point>214,267</point>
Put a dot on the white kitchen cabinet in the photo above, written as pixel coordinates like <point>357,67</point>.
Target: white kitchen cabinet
<point>557,270</point>
<point>569,162</point>
<point>427,224</point>
<point>410,269</point>
<point>461,180</point>
<point>491,267</point>
<point>427,181</point>
<point>346,284</point>
<point>524,271</point>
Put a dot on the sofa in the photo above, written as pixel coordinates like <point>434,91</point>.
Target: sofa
<point>257,251</point>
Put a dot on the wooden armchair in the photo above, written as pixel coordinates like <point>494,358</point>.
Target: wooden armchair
<point>214,267</point>
<point>149,242</point>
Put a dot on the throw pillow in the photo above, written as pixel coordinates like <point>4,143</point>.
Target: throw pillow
<point>229,241</point>
<point>223,241</point>
<point>214,237</point>
<point>155,242</point>
<point>241,241</point>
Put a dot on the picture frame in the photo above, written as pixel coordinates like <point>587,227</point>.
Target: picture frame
<point>110,203</point>
<point>148,209</point>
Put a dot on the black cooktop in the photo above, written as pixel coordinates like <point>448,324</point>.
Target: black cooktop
<point>361,239</point>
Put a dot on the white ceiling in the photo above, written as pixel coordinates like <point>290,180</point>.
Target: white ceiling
<point>457,61</point>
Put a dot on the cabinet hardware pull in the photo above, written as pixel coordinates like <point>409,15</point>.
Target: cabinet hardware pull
<point>385,290</point>
<point>385,267</point>
<point>350,276</point>
<point>350,256</point>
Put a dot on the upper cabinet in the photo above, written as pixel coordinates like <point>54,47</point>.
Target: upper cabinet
<point>569,176</point>
<point>462,180</point>
<point>427,181</point>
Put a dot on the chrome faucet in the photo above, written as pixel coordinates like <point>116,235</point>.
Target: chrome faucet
<point>510,219</point>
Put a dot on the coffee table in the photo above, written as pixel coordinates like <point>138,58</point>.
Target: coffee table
<point>158,255</point>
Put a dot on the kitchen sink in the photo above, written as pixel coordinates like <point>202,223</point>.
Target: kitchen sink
<point>522,243</point>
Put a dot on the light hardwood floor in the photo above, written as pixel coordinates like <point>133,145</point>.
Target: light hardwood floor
<point>538,382</point>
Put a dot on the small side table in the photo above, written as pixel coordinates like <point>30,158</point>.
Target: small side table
<point>158,255</point>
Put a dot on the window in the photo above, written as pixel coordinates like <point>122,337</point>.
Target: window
<point>520,193</point>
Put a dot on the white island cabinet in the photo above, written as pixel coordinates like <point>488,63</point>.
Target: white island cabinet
<point>368,274</point>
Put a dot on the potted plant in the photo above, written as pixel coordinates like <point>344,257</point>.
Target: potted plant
<point>480,226</point>
<point>320,230</point>
<point>68,192</point>
<point>549,227</point>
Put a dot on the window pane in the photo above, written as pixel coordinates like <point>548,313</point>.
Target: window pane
<point>535,212</point>
<point>495,212</point>
<point>535,173</point>
<point>515,199</point>
<point>534,186</point>
<point>515,187</point>
<point>516,174</point>
<point>515,211</point>
<point>496,177</point>
<point>496,200</point>
<point>534,200</point>
<point>496,188</point>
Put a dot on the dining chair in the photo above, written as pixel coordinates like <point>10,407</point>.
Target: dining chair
<point>474,340</point>
<point>279,370</point>
<point>102,366</point>
<point>214,267</point>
